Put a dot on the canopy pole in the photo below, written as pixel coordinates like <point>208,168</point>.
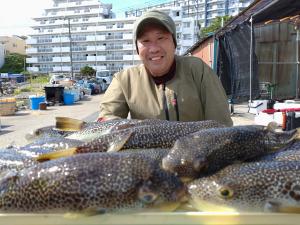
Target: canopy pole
<point>251,59</point>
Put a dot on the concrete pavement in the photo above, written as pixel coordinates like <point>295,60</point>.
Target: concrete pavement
<point>14,128</point>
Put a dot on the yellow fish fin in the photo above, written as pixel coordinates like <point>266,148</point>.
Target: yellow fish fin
<point>56,155</point>
<point>278,207</point>
<point>69,124</point>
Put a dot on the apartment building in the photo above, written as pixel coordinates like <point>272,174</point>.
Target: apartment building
<point>203,11</point>
<point>74,33</point>
<point>14,44</point>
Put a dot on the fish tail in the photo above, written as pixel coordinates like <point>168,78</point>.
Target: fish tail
<point>69,124</point>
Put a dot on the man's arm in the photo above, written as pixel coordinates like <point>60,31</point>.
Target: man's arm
<point>214,99</point>
<point>113,104</point>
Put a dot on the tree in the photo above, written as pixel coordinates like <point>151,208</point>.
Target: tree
<point>14,63</point>
<point>215,25</point>
<point>87,71</point>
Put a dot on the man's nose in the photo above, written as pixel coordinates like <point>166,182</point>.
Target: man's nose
<point>154,47</point>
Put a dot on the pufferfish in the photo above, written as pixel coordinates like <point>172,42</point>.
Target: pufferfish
<point>92,182</point>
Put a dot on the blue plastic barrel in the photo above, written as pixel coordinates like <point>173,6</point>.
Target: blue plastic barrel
<point>35,102</point>
<point>68,99</point>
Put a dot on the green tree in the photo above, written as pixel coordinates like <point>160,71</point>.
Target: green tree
<point>215,25</point>
<point>87,71</point>
<point>14,63</point>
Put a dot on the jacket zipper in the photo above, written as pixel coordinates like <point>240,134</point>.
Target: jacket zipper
<point>175,103</point>
<point>165,103</point>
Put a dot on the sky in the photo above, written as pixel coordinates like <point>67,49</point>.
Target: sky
<point>16,15</point>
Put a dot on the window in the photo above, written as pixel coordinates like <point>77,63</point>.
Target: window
<point>85,19</point>
<point>186,24</point>
<point>120,25</point>
<point>187,37</point>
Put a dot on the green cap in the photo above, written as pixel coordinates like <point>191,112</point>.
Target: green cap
<point>154,17</point>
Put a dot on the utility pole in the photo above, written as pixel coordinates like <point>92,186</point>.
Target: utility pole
<point>71,53</point>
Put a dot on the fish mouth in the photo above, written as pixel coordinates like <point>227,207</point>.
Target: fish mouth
<point>206,206</point>
<point>278,139</point>
<point>167,165</point>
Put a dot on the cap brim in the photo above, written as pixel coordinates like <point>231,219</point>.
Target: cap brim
<point>151,21</point>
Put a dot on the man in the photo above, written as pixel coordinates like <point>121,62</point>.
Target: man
<point>165,86</point>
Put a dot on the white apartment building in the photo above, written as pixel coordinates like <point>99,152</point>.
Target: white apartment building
<point>74,33</point>
<point>203,11</point>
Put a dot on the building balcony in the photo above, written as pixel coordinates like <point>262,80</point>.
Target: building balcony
<point>61,59</point>
<point>99,68</point>
<point>127,36</point>
<point>62,49</point>
<point>91,58</point>
<point>31,50</point>
<point>62,69</point>
<point>95,38</point>
<point>60,40</point>
<point>33,69</point>
<point>31,60</point>
<point>131,57</point>
<point>187,42</point>
<point>31,41</point>
<point>101,58</point>
<point>128,47</point>
<point>91,48</point>
<point>101,48</point>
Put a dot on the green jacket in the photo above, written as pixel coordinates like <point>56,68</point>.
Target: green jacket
<point>195,93</point>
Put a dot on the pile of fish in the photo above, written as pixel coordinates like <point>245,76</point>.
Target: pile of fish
<point>151,165</point>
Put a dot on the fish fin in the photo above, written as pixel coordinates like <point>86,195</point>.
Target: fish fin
<point>297,134</point>
<point>85,213</point>
<point>69,124</point>
<point>56,154</point>
<point>121,126</point>
<point>278,207</point>
<point>168,206</point>
<point>186,207</point>
<point>272,126</point>
<point>118,144</point>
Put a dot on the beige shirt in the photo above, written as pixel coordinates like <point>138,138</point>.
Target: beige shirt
<point>199,93</point>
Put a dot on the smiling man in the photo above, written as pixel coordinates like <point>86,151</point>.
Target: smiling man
<point>164,86</point>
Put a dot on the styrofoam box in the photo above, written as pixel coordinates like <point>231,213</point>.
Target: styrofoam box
<point>264,118</point>
<point>257,106</point>
<point>173,218</point>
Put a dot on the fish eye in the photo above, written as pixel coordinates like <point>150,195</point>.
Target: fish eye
<point>225,192</point>
<point>146,195</point>
<point>148,198</point>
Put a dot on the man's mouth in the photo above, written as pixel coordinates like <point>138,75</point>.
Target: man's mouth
<point>156,58</point>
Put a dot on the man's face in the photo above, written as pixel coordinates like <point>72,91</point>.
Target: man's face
<point>156,49</point>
